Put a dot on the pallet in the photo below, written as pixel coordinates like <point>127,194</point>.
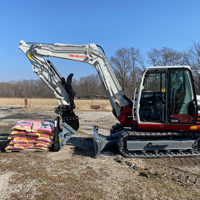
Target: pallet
<point>25,150</point>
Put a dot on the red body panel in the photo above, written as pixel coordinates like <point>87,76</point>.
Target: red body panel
<point>165,127</point>
<point>183,117</point>
<point>126,120</point>
<point>198,119</point>
<point>125,117</point>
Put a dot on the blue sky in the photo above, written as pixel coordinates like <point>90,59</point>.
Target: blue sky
<point>113,24</point>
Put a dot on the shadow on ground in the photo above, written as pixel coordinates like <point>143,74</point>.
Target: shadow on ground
<point>85,147</point>
<point>3,141</point>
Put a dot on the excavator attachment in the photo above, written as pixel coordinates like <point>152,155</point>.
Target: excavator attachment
<point>102,142</point>
<point>70,125</point>
<point>70,121</point>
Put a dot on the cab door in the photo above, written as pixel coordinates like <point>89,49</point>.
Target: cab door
<point>152,102</point>
<point>182,98</point>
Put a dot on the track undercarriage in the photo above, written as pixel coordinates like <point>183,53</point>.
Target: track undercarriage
<point>150,144</point>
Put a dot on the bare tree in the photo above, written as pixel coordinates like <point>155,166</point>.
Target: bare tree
<point>76,88</point>
<point>94,85</point>
<point>25,89</point>
<point>121,65</point>
<point>6,89</point>
<point>192,58</point>
<point>164,57</point>
<point>127,65</point>
<point>137,65</point>
<point>89,87</point>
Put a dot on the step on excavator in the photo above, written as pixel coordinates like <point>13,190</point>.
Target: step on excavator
<point>163,121</point>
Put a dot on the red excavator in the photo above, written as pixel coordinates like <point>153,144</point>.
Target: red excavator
<point>164,122</point>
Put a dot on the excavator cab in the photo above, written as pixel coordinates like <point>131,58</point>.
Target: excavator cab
<point>166,109</point>
<point>168,96</point>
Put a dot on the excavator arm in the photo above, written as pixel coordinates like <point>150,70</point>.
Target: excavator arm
<point>36,52</point>
<point>83,53</point>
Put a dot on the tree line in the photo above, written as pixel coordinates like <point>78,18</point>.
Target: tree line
<point>85,87</point>
<point>127,64</point>
<point>25,89</point>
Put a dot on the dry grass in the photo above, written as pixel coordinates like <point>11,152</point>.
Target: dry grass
<point>50,104</point>
<point>86,104</point>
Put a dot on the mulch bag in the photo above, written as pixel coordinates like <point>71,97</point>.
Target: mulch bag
<point>31,137</point>
<point>13,136</point>
<point>45,135</point>
<point>47,121</point>
<point>31,141</point>
<point>36,125</point>
<point>48,133</point>
<point>24,125</point>
<point>9,147</point>
<point>44,139</point>
<point>26,146</point>
<point>37,143</point>
<point>29,146</point>
<point>19,142</point>
<point>31,134</point>
<point>18,133</point>
<point>42,145</point>
<point>42,148</point>
<point>46,127</point>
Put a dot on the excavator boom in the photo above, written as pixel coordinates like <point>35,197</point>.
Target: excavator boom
<point>83,53</point>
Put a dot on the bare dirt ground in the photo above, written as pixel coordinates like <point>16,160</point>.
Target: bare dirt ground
<point>74,173</point>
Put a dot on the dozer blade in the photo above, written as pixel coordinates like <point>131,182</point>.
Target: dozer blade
<point>102,142</point>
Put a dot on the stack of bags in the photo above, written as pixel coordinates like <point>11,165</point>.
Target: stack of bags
<point>28,134</point>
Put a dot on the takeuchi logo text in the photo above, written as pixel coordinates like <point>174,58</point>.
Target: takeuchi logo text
<point>77,56</point>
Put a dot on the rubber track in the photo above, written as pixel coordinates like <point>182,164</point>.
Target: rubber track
<point>157,154</point>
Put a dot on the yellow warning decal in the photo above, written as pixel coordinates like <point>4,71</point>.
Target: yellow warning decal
<point>59,140</point>
<point>30,57</point>
<point>163,90</point>
<point>193,127</point>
